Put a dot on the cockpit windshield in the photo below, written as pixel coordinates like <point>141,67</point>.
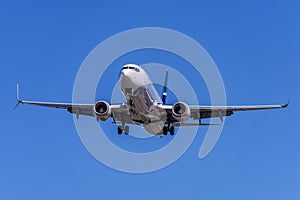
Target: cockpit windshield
<point>131,67</point>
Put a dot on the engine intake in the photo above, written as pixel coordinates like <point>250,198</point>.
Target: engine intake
<point>181,111</point>
<point>102,110</point>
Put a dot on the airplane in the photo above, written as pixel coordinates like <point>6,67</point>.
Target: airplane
<point>145,107</point>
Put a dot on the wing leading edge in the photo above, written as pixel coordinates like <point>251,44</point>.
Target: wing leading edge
<point>78,109</point>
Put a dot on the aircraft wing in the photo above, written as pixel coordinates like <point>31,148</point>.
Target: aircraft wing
<point>202,112</point>
<point>78,109</point>
<point>220,111</point>
<point>119,111</point>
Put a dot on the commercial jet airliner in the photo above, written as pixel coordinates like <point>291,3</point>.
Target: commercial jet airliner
<point>145,107</point>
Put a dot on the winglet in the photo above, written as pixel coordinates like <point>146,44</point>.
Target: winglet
<point>17,93</point>
<point>286,104</point>
<point>165,88</point>
<point>18,97</point>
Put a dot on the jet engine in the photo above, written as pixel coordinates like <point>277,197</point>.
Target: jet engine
<point>102,110</point>
<point>181,111</point>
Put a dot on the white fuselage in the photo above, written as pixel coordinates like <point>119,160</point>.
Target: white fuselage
<point>142,98</point>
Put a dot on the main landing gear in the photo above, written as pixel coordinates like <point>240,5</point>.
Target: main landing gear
<point>167,129</point>
<point>123,128</point>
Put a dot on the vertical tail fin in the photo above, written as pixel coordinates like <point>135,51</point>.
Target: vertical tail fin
<point>165,88</point>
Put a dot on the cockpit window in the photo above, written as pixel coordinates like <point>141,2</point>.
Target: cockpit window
<point>130,67</point>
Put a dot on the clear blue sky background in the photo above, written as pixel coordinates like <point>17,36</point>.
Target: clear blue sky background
<point>254,43</point>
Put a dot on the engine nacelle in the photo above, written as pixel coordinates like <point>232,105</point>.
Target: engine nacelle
<point>181,111</point>
<point>102,110</point>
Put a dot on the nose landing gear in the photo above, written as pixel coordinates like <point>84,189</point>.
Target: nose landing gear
<point>123,128</point>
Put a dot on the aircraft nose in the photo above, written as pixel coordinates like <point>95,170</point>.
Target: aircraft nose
<point>124,75</point>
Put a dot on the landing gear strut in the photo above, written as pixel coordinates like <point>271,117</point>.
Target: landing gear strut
<point>120,130</point>
<point>168,127</point>
<point>123,128</point>
<point>126,130</point>
<point>171,130</point>
<point>165,130</point>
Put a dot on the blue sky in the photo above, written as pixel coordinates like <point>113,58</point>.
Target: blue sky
<point>255,45</point>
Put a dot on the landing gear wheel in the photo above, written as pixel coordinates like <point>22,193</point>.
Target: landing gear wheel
<point>165,130</point>
<point>126,130</point>
<point>172,130</point>
<point>120,130</point>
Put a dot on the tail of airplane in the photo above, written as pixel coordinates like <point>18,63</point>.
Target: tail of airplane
<point>165,88</point>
